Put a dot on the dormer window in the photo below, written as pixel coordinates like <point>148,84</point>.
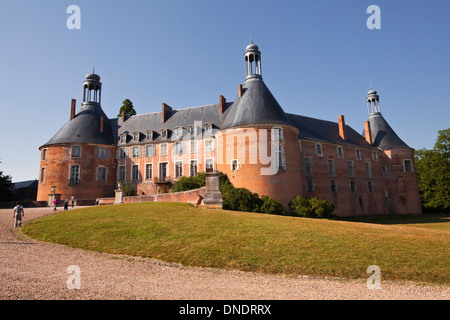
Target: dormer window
<point>193,130</point>
<point>164,133</point>
<point>136,136</point>
<point>179,132</point>
<point>208,127</point>
<point>149,135</point>
<point>123,138</point>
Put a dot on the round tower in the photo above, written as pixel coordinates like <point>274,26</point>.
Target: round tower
<point>79,159</point>
<point>257,143</point>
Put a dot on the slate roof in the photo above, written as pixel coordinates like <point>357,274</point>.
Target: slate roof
<point>256,106</point>
<point>85,128</point>
<point>383,136</point>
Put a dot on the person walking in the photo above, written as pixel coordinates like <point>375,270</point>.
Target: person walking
<point>66,204</point>
<point>18,215</point>
<point>55,204</point>
<point>72,198</point>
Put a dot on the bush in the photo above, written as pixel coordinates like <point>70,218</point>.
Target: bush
<point>311,207</point>
<point>241,199</point>
<point>272,206</point>
<point>128,189</point>
<point>189,183</point>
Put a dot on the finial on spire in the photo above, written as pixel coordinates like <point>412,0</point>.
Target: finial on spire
<point>371,86</point>
<point>251,38</point>
<point>93,69</point>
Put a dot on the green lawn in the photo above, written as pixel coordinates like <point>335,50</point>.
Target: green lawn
<point>177,232</point>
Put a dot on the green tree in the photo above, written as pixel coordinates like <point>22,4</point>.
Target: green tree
<point>6,188</point>
<point>127,106</point>
<point>241,199</point>
<point>271,206</point>
<point>433,174</point>
<point>311,207</point>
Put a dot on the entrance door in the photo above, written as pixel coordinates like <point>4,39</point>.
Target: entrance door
<point>163,171</point>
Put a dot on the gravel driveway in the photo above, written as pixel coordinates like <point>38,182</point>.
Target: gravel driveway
<point>35,270</point>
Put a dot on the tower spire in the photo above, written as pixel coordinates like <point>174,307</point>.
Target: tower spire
<point>373,101</point>
<point>252,60</point>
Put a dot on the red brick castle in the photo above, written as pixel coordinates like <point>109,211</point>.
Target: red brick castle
<point>252,140</point>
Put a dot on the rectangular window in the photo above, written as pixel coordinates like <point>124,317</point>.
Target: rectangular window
<point>308,167</point>
<point>374,155</point>
<point>279,160</point>
<point>123,138</point>
<point>178,169</point>
<point>74,174</point>
<point>101,174</point>
<point>163,171</point>
<point>122,173</point>
<point>123,153</point>
<point>352,186</point>
<point>340,152</point>
<point>407,165</point>
<point>178,148</point>
<point>76,152</point>
<point>134,172</point>
<point>42,174</point>
<point>277,134</point>
<point>331,169</point>
<point>358,154</point>
<point>163,149</point>
<point>194,146</point>
<point>149,135</point>
<point>149,171</point>
<point>136,152</point>
<point>150,150</point>
<point>208,128</point>
<point>368,170</point>
<point>333,185</point>
<point>208,145</point>
<point>136,136</point>
<point>164,133</point>
<point>234,165</point>
<point>193,168</point>
<point>102,153</point>
<point>319,149</point>
<point>369,186</point>
<point>44,154</point>
<point>309,186</point>
<point>351,171</point>
<point>209,165</point>
<point>179,132</point>
<point>383,169</point>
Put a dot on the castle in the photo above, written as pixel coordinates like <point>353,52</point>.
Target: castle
<point>252,140</point>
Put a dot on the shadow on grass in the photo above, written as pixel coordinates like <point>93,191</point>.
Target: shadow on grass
<point>402,219</point>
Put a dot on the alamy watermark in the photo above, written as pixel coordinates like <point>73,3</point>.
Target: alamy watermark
<point>74,280</point>
<point>74,20</point>
<point>374,281</point>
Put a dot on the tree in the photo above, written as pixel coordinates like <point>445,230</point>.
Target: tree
<point>127,106</point>
<point>433,174</point>
<point>6,188</point>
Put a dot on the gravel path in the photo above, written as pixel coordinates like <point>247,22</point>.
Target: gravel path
<point>35,270</point>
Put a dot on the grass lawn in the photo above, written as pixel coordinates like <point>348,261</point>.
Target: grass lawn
<point>178,232</point>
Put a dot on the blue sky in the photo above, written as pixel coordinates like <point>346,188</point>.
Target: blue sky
<point>318,59</point>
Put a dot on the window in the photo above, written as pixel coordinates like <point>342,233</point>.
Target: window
<point>148,171</point>
<point>277,134</point>
<point>374,155</point>
<point>308,168</point>
<point>123,153</point>
<point>383,169</point>
<point>44,154</point>
<point>149,135</point>
<point>178,148</point>
<point>164,133</point>
<point>234,165</point>
<point>407,165</point>
<point>150,150</point>
<point>178,169</point>
<point>102,153</point>
<point>358,154</point>
<point>309,185</point>
<point>279,158</point>
<point>123,138</point>
<point>163,149</point>
<point>76,151</point>
<point>179,132</point>
<point>319,149</point>
<point>209,165</point>
<point>352,186</point>
<point>121,173</point>
<point>74,174</point>
<point>194,146</point>
<point>208,145</point>
<point>369,186</point>
<point>136,152</point>
<point>136,136</point>
<point>193,168</point>
<point>351,172</point>
<point>340,152</point>
<point>331,169</point>
<point>333,185</point>
<point>368,170</point>
<point>101,174</point>
<point>134,172</point>
<point>193,130</point>
<point>42,174</point>
<point>208,128</point>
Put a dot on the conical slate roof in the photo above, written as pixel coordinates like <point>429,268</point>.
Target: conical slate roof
<point>85,128</point>
<point>383,136</point>
<point>256,106</point>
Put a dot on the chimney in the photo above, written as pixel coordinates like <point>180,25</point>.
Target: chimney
<point>72,109</point>
<point>101,124</point>
<point>123,116</point>
<point>367,132</point>
<point>342,129</point>
<point>240,91</point>
<point>223,102</point>
<point>165,112</point>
